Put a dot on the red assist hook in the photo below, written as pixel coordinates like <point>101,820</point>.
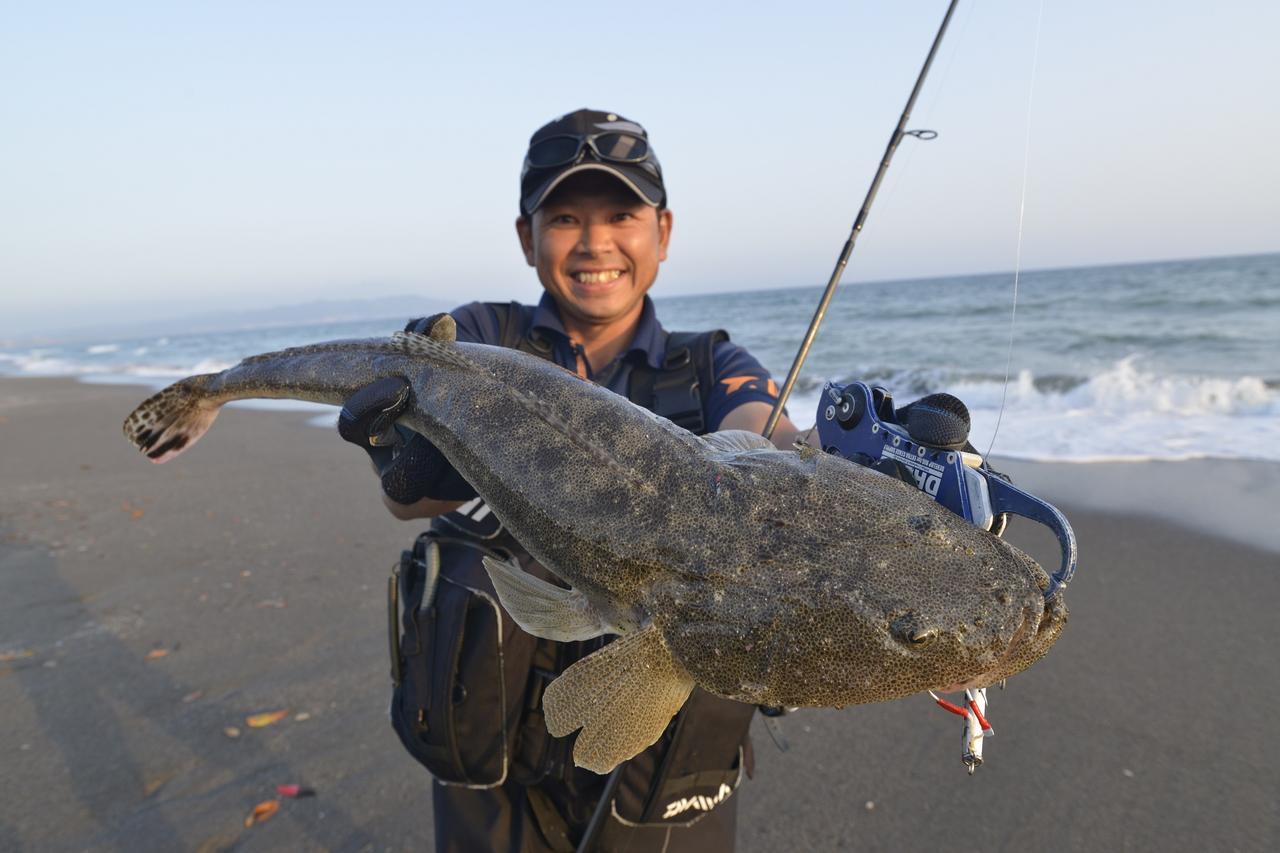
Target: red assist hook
<point>987,731</point>
<point>947,706</point>
<point>976,727</point>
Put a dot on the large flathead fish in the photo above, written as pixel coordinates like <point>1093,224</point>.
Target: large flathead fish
<point>766,576</point>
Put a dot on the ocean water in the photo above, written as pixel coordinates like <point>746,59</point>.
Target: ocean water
<point>1170,360</point>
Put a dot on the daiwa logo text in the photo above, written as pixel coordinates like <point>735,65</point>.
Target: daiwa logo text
<point>702,803</point>
<point>928,474</point>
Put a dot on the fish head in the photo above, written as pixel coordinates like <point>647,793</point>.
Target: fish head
<point>968,624</point>
<point>965,615</point>
<point>939,607</point>
<point>917,598</point>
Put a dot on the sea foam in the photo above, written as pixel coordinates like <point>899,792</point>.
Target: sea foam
<point>1122,413</point>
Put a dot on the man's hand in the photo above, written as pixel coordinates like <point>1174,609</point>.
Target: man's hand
<point>414,473</point>
<point>367,419</point>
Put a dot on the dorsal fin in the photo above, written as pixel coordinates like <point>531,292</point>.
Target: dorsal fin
<point>414,343</point>
<point>736,440</point>
<point>432,347</point>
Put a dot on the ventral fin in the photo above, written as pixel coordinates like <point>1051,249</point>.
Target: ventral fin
<point>541,608</point>
<point>736,440</point>
<point>622,697</point>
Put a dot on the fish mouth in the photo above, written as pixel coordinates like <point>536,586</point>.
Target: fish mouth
<point>1040,629</point>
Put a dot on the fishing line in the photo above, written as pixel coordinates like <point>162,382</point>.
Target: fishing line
<point>956,49</point>
<point>1022,210</point>
<point>927,115</point>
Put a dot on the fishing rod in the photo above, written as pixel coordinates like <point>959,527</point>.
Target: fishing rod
<point>926,442</point>
<point>836,274</point>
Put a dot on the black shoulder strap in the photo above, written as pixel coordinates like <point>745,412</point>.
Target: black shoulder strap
<point>511,331</point>
<point>679,390</point>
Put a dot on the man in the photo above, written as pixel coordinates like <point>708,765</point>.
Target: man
<point>595,225</point>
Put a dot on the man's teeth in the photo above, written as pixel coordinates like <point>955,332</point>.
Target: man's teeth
<point>596,277</point>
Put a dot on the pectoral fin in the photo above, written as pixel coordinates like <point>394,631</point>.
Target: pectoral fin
<point>622,697</point>
<point>544,609</point>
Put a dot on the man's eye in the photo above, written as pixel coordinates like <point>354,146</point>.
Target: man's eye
<point>623,216</point>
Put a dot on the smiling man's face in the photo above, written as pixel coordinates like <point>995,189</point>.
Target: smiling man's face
<point>596,247</point>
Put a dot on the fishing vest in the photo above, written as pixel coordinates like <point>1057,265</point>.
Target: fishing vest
<point>677,391</point>
<point>468,684</point>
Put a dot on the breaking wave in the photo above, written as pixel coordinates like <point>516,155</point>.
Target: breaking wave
<point>1122,413</point>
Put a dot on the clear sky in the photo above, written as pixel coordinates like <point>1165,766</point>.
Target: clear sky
<point>161,156</point>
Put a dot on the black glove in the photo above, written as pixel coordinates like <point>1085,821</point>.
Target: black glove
<point>411,467</point>
<point>368,418</point>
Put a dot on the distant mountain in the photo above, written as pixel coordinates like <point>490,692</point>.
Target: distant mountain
<point>401,307</point>
<point>395,309</point>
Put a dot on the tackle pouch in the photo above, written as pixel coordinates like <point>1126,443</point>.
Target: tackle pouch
<point>458,666</point>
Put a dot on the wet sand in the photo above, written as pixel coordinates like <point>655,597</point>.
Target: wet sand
<point>144,610</point>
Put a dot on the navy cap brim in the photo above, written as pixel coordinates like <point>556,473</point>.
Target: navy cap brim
<point>647,190</point>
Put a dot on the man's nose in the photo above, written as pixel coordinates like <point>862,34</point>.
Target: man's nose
<point>595,239</point>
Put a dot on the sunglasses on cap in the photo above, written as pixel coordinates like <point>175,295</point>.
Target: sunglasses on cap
<point>613,146</point>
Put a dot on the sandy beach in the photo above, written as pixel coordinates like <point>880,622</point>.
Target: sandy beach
<point>147,612</point>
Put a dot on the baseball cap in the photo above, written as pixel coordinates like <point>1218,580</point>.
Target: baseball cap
<point>590,140</point>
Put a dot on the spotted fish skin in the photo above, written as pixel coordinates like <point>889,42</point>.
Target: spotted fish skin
<point>856,588</point>
<point>772,576</point>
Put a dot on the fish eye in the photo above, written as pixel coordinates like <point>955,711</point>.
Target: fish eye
<point>922,638</point>
<point>911,630</point>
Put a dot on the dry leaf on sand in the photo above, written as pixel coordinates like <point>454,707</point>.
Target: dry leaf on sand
<point>263,811</point>
<point>257,721</point>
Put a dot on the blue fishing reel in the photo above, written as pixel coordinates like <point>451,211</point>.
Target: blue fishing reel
<point>926,444</point>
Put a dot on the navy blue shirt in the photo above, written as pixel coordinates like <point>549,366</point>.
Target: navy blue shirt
<point>738,377</point>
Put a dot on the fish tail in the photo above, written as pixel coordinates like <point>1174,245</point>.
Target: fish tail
<point>169,422</point>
